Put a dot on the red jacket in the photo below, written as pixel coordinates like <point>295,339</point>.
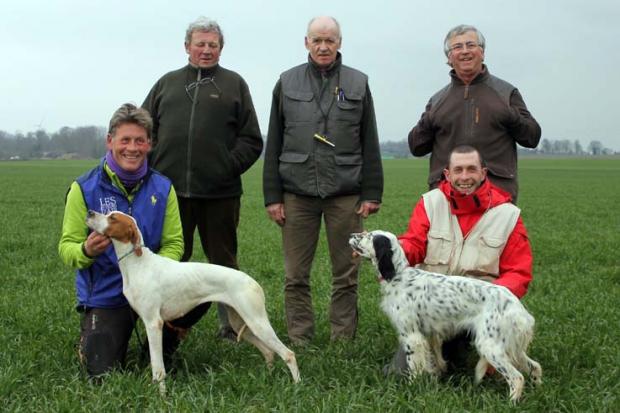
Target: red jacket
<point>515,263</point>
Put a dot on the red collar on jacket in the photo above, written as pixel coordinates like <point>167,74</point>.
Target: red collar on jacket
<point>485,197</point>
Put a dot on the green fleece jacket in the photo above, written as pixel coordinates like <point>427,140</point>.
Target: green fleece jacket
<point>205,131</point>
<point>75,231</point>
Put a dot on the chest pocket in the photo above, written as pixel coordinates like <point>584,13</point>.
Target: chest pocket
<point>489,251</point>
<point>350,108</point>
<point>298,106</point>
<point>438,248</point>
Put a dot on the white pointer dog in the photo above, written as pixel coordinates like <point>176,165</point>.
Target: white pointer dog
<point>160,289</point>
<point>427,308</point>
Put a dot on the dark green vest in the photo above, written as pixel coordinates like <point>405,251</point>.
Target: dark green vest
<point>308,166</point>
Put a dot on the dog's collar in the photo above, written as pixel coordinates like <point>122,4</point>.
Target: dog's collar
<point>130,252</point>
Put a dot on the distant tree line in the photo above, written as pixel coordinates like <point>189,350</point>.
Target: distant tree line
<point>81,142</point>
<point>568,147</point>
<point>88,142</point>
<point>400,149</point>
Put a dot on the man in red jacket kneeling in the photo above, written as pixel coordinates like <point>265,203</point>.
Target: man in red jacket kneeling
<point>467,226</point>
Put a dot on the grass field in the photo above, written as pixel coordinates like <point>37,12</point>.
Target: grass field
<point>570,207</point>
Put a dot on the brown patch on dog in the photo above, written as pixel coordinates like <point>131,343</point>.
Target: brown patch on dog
<point>123,228</point>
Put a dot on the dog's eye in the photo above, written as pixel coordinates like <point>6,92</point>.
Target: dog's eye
<point>113,217</point>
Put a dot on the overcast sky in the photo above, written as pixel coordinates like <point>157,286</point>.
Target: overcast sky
<point>72,63</point>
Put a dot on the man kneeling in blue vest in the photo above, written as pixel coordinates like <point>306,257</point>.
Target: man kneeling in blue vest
<point>121,182</point>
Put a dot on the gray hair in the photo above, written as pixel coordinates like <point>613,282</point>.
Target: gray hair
<point>130,113</point>
<point>329,17</point>
<point>459,30</point>
<point>206,25</point>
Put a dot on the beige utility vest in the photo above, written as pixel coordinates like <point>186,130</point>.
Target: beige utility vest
<point>476,255</point>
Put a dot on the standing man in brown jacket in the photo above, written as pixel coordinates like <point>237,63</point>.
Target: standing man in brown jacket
<point>476,109</point>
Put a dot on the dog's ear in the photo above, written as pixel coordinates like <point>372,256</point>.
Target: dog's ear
<point>135,239</point>
<point>383,252</point>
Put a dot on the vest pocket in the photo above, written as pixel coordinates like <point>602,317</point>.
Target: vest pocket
<point>350,109</point>
<point>438,248</point>
<point>489,251</point>
<point>348,172</point>
<point>298,106</point>
<point>293,172</point>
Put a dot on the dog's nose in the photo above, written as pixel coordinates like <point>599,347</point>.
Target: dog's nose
<point>91,213</point>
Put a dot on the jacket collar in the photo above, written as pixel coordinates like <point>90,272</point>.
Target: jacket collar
<point>481,77</point>
<point>485,197</point>
<point>329,71</point>
<point>206,72</point>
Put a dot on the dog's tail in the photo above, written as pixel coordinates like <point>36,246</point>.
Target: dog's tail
<point>519,330</point>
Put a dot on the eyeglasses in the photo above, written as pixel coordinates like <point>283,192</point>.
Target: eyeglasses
<point>459,47</point>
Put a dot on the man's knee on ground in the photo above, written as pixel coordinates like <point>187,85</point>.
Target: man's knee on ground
<point>97,353</point>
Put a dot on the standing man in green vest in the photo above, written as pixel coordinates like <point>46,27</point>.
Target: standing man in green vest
<point>322,160</point>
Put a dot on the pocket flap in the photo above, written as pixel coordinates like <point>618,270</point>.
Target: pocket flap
<point>352,96</point>
<point>439,235</point>
<point>293,157</point>
<point>347,105</point>
<point>299,95</point>
<point>492,242</point>
<point>352,159</point>
<point>351,101</point>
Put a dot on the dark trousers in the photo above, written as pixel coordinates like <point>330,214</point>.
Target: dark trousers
<point>217,221</point>
<point>105,334</point>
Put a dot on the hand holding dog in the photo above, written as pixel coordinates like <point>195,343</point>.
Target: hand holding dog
<point>96,244</point>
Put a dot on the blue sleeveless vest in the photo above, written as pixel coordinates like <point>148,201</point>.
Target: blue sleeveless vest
<point>101,285</point>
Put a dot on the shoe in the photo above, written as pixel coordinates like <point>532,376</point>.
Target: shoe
<point>299,342</point>
<point>398,365</point>
<point>341,338</point>
<point>227,333</point>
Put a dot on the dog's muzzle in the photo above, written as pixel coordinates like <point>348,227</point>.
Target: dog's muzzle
<point>354,241</point>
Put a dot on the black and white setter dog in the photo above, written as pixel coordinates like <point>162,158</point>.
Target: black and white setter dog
<point>427,308</point>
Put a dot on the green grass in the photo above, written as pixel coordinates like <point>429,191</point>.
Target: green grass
<point>570,207</point>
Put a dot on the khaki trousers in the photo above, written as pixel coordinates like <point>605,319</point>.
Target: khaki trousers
<point>300,235</point>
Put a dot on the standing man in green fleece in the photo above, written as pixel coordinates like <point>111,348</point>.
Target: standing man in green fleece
<point>205,135</point>
<point>322,161</point>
